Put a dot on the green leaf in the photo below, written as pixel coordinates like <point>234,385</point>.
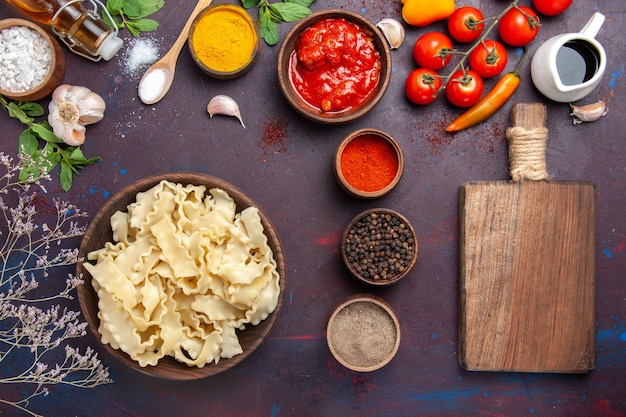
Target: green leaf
<point>28,142</point>
<point>271,14</point>
<point>132,29</point>
<point>248,4</point>
<point>132,9</point>
<point>289,12</point>
<point>305,3</point>
<point>32,169</point>
<point>50,148</point>
<point>92,160</point>
<point>67,153</point>
<point>53,160</point>
<point>45,132</point>
<point>32,109</point>
<point>146,7</point>
<point>142,25</point>
<point>66,176</point>
<point>28,174</point>
<point>112,23</point>
<point>269,31</point>
<point>16,112</point>
<point>74,157</point>
<point>50,160</point>
<point>115,6</point>
<point>77,154</point>
<point>133,13</point>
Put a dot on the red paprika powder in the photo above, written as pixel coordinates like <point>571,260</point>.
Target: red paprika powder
<point>369,163</point>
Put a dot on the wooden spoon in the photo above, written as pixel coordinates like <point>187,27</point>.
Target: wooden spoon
<point>157,79</point>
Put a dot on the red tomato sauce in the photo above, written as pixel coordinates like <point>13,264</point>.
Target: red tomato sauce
<point>334,66</point>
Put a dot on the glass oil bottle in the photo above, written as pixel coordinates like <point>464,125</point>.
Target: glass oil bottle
<point>81,29</point>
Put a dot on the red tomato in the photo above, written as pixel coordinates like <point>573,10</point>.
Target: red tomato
<point>488,59</point>
<point>551,7</point>
<point>421,86</point>
<point>466,24</point>
<point>432,50</point>
<point>464,88</point>
<point>519,26</point>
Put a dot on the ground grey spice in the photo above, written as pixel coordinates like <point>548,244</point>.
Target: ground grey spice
<point>363,334</point>
<point>380,246</point>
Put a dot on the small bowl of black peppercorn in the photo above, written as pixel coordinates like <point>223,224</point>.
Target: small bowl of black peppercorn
<point>379,246</point>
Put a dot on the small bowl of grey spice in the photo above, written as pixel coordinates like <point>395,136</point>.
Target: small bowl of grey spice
<point>32,63</point>
<point>363,333</point>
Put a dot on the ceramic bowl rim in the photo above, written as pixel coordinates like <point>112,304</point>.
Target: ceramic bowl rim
<point>286,49</point>
<point>349,188</point>
<point>169,368</point>
<point>57,63</point>
<point>366,298</point>
<point>397,278</point>
<point>225,75</point>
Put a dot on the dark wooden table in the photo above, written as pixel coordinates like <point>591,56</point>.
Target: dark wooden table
<point>284,163</point>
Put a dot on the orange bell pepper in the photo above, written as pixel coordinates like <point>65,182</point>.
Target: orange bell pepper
<point>424,12</point>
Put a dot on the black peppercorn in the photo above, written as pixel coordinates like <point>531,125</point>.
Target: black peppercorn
<point>379,246</point>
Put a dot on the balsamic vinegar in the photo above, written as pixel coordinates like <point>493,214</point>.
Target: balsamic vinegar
<point>577,62</point>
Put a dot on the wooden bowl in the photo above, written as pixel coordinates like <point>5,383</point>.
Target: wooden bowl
<point>314,113</point>
<point>363,333</point>
<point>57,64</point>
<point>372,171</point>
<point>207,65</point>
<point>99,231</point>
<point>377,270</point>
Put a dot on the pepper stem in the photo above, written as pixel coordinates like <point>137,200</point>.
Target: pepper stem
<point>519,64</point>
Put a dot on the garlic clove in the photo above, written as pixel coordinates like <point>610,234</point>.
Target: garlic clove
<point>91,108</point>
<point>588,113</point>
<point>60,93</point>
<point>73,135</point>
<point>90,116</point>
<point>393,31</point>
<point>77,93</point>
<point>225,105</point>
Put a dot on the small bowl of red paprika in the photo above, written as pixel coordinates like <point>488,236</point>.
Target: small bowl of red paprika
<point>368,163</point>
<point>334,66</point>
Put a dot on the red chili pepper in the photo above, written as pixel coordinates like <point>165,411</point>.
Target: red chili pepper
<point>490,103</point>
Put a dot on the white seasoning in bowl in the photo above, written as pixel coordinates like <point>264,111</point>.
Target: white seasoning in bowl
<point>25,59</point>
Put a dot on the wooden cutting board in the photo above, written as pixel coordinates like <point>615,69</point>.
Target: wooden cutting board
<point>527,268</point>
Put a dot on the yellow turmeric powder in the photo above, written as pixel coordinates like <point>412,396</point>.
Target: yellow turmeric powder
<point>224,38</point>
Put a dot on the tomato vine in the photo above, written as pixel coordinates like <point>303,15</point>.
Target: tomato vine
<point>491,23</point>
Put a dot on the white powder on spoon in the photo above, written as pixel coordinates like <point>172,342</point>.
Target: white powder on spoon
<point>152,84</point>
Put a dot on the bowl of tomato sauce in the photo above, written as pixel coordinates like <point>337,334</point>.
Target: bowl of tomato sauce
<point>334,66</point>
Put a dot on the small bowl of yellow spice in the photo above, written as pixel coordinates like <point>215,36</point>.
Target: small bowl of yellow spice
<point>224,41</point>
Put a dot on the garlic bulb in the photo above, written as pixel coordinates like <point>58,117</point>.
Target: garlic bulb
<point>589,112</point>
<point>393,31</point>
<point>225,105</point>
<point>71,109</point>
